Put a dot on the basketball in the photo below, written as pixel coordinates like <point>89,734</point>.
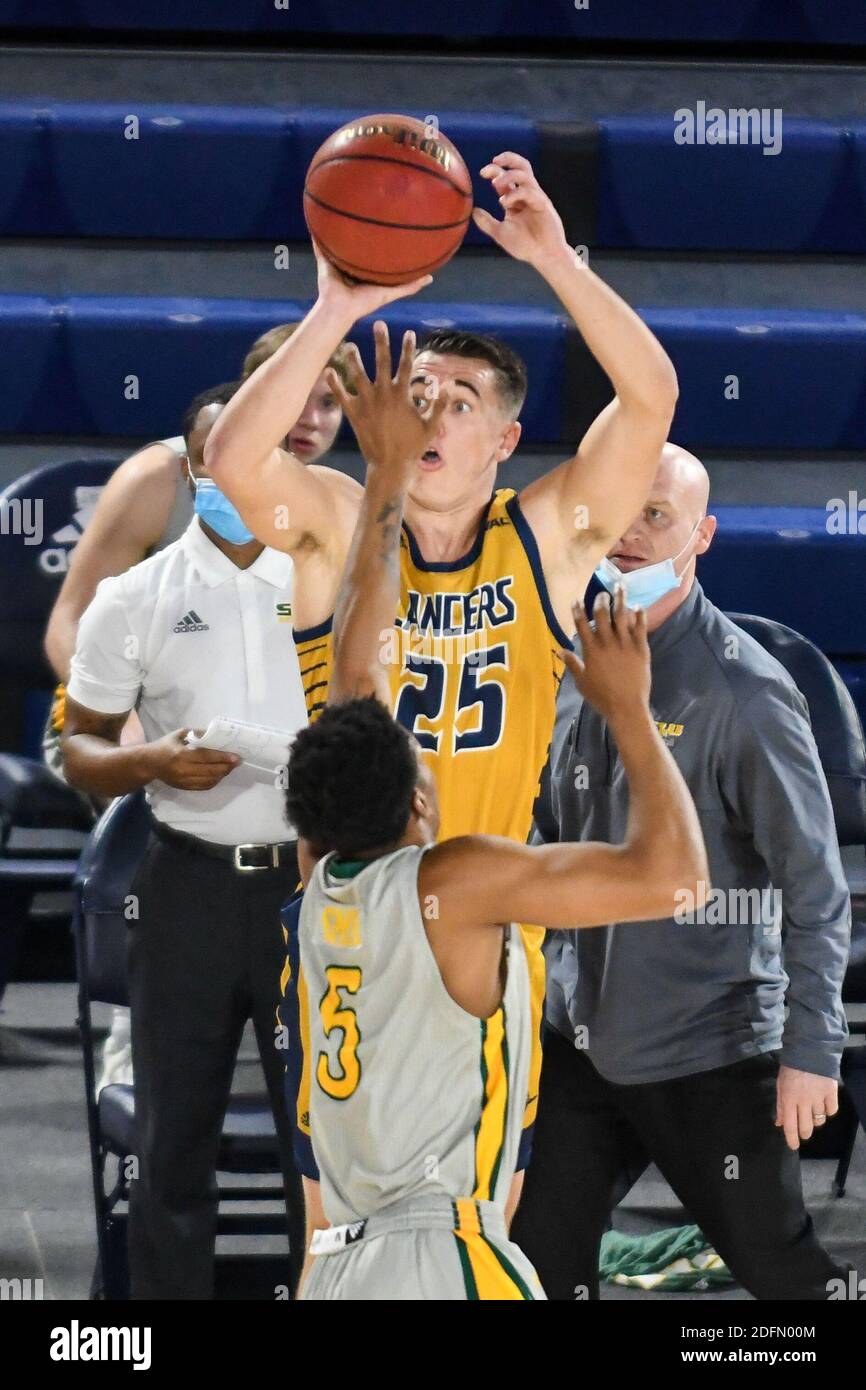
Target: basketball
<point>388,198</point>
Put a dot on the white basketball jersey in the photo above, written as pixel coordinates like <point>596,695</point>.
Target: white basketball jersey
<point>405,1092</point>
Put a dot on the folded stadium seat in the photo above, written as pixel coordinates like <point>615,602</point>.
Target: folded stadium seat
<point>655,193</point>
<point>766,378</point>
<point>192,171</point>
<point>793,21</point>
<point>249,1146</point>
<point>43,823</point>
<point>124,365</point>
<point>32,336</point>
<point>175,346</point>
<point>25,162</point>
<point>839,736</point>
<point>785,563</point>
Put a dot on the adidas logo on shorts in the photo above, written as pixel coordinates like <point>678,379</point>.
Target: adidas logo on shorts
<point>191,622</point>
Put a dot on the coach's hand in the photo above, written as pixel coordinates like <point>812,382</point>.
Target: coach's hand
<point>188,769</point>
<point>393,423</point>
<point>532,229</point>
<point>613,671</point>
<point>804,1102</point>
<point>354,298</point>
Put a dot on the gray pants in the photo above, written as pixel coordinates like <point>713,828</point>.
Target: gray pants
<point>426,1248</point>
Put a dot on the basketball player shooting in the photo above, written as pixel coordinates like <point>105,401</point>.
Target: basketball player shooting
<point>493,572</point>
<point>410,1082</point>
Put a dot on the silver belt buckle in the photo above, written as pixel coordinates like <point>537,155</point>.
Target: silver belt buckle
<point>256,868</point>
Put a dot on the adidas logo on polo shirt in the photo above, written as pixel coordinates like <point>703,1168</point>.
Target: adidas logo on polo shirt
<point>191,622</point>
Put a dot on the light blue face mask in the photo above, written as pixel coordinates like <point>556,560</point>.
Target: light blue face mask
<point>220,514</point>
<point>643,587</point>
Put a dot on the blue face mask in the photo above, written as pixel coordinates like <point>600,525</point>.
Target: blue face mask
<point>643,587</point>
<point>219,513</point>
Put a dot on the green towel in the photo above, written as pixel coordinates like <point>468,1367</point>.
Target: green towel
<point>672,1260</point>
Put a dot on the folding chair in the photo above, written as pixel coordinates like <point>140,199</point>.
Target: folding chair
<point>249,1144</point>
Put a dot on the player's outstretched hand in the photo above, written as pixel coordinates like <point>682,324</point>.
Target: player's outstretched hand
<point>532,229</point>
<point>393,422</point>
<point>354,297</point>
<point>613,672</point>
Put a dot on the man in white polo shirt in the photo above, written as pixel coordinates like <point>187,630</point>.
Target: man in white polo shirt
<point>201,629</point>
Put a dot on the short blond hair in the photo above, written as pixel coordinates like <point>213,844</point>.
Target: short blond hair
<point>267,343</point>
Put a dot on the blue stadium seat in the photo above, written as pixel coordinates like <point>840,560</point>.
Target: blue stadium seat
<point>236,172</point>
<point>654,193</point>
<point>186,171</point>
<point>800,377</point>
<point>176,347</point>
<point>793,21</point>
<point>783,563</point>
<point>129,366</point>
<point>191,171</point>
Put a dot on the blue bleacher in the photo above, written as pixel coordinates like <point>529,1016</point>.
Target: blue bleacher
<point>214,173</point>
<point>655,193</point>
<point>801,376</point>
<point>92,169</point>
<point>812,22</point>
<point>784,563</point>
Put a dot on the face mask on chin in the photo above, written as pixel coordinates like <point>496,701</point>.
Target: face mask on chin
<point>213,507</point>
<point>645,586</point>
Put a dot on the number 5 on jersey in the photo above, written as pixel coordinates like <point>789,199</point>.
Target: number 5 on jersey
<point>338,1016</point>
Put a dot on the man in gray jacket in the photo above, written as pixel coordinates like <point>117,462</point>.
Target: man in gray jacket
<point>708,1043</point>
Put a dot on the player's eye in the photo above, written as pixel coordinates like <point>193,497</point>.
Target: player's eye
<point>462,406</point>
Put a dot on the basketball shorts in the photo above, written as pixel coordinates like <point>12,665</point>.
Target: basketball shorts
<point>424,1249</point>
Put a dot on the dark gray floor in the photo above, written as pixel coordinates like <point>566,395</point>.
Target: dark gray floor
<point>46,1212</point>
<point>561,89</point>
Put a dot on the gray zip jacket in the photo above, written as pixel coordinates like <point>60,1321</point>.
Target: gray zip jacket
<point>760,967</point>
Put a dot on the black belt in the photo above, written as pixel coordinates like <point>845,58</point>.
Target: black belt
<point>246,859</point>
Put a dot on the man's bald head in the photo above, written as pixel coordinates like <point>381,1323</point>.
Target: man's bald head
<point>672,525</point>
<point>682,479</point>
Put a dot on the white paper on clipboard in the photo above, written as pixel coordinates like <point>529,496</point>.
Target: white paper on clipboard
<point>258,746</point>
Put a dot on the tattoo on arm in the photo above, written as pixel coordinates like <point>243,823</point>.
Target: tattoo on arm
<point>389,530</point>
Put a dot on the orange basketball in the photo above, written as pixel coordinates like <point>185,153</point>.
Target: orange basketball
<point>387,199</point>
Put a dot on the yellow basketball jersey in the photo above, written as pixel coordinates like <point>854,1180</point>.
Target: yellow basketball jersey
<point>475,668</point>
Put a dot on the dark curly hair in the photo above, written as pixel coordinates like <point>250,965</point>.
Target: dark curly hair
<point>351,776</point>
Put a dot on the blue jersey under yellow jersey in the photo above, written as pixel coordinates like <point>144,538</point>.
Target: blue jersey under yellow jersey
<point>475,667</point>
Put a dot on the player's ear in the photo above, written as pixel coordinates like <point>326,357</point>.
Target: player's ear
<point>509,441</point>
